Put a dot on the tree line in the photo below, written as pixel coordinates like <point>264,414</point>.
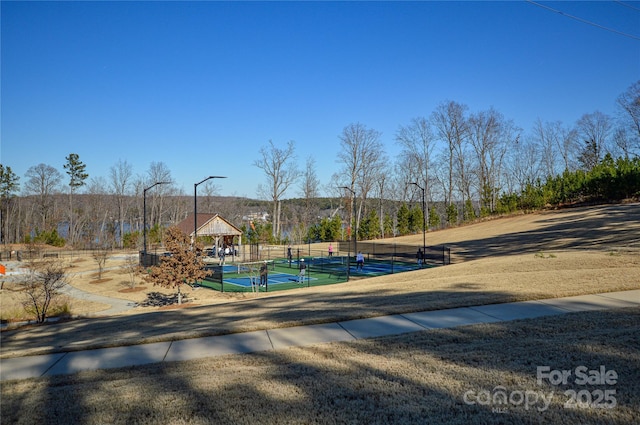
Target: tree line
<point>454,165</point>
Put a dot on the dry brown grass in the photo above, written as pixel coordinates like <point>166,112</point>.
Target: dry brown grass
<point>410,379</point>
<point>485,281</point>
<point>415,378</point>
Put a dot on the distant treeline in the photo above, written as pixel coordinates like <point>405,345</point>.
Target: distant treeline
<point>308,220</point>
<point>608,181</point>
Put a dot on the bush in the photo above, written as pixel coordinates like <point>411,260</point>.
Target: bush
<point>452,214</point>
<point>507,203</point>
<point>469,211</point>
<point>403,220</point>
<point>41,286</point>
<point>49,238</point>
<point>434,217</point>
<point>130,240</point>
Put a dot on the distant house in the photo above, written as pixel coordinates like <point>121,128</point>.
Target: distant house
<point>222,232</point>
<point>256,216</point>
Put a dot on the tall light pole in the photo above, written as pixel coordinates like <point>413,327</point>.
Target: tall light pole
<point>144,212</point>
<point>424,224</point>
<point>195,205</point>
<point>354,230</point>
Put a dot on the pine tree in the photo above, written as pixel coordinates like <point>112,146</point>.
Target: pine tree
<point>403,220</point>
<point>8,186</point>
<point>77,176</point>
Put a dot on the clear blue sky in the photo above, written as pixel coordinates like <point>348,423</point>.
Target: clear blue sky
<point>201,86</point>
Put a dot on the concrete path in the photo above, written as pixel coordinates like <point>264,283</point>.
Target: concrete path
<point>117,305</point>
<point>274,339</point>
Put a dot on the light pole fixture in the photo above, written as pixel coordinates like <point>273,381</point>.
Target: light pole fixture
<point>195,205</point>
<point>144,212</point>
<point>354,230</point>
<point>424,224</point>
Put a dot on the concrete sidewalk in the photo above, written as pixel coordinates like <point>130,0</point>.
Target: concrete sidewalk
<point>274,339</point>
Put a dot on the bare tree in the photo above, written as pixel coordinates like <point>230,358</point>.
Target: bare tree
<point>184,265</point>
<point>97,211</point>
<point>547,136</point>
<point>628,137</point>
<point>362,156</point>
<point>405,170</point>
<point>158,172</point>
<point>568,146</point>
<point>491,134</point>
<point>281,172</point>
<point>629,102</point>
<point>310,190</point>
<point>382,191</point>
<point>101,254</point>
<point>523,165</point>
<point>452,127</point>
<point>368,182</point>
<point>121,174</point>
<point>42,284</point>
<point>43,181</point>
<point>417,143</point>
<point>593,129</point>
<point>209,191</point>
<point>175,208</point>
<point>624,141</point>
<point>553,138</point>
<point>131,266</point>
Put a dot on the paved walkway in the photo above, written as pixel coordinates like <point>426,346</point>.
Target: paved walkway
<point>274,339</point>
<point>117,305</point>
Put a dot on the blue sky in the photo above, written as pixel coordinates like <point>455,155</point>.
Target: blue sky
<point>201,86</point>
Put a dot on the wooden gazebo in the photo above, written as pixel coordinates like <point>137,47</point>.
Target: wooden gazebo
<point>214,225</point>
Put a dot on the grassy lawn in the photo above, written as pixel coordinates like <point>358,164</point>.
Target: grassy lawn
<point>436,376</point>
<point>484,281</point>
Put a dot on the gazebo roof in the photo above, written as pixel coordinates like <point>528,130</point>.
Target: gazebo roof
<point>209,225</point>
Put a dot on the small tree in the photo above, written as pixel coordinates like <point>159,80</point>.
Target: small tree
<point>42,284</point>
<point>184,265</point>
<point>370,226</point>
<point>132,268</point>
<point>469,211</point>
<point>415,219</point>
<point>452,214</point>
<point>388,225</point>
<point>403,220</point>
<point>434,217</point>
<point>101,254</point>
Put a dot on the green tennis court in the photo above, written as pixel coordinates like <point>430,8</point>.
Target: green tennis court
<point>284,274</point>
